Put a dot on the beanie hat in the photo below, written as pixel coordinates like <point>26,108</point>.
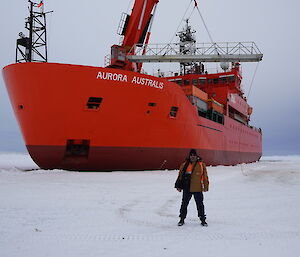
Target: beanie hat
<point>193,152</point>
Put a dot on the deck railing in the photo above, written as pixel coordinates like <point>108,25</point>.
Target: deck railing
<point>204,52</point>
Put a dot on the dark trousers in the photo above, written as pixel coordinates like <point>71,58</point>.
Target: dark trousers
<point>186,197</point>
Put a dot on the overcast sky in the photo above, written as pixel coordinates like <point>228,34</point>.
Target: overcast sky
<point>81,32</point>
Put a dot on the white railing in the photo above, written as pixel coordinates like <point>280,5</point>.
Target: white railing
<point>222,48</point>
<point>206,52</point>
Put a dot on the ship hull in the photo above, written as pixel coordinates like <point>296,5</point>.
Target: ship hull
<point>131,129</point>
<point>133,158</point>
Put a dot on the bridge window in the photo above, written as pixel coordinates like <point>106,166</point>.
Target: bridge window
<point>202,113</point>
<point>215,116</point>
<point>223,80</point>
<point>178,81</point>
<point>202,81</point>
<point>231,78</point>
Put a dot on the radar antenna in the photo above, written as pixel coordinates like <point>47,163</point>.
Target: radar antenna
<point>187,46</point>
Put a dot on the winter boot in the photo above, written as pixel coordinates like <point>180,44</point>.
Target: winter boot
<point>203,222</point>
<point>181,222</point>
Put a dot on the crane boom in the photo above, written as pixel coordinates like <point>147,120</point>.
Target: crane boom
<point>135,32</point>
<point>138,23</point>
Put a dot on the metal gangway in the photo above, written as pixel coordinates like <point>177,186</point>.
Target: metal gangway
<point>200,52</point>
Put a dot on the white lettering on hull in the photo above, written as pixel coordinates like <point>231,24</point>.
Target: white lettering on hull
<point>112,76</point>
<point>136,80</point>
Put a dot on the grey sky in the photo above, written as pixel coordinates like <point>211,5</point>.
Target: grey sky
<point>81,32</point>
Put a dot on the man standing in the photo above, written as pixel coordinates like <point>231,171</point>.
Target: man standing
<point>193,180</point>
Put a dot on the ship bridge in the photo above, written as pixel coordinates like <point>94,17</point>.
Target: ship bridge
<point>200,52</point>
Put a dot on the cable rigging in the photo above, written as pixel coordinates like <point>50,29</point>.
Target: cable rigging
<point>183,18</point>
<point>253,77</point>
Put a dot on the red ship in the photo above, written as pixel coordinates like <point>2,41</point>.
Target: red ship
<point>86,118</point>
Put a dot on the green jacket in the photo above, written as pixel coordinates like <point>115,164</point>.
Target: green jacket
<point>199,177</point>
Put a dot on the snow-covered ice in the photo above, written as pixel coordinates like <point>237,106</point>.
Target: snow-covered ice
<point>252,210</point>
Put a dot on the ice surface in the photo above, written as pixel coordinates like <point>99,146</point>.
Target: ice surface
<point>14,161</point>
<point>252,210</point>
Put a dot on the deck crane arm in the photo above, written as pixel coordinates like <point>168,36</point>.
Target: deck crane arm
<point>135,31</point>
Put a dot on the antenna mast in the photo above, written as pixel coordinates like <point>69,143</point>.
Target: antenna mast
<point>33,48</point>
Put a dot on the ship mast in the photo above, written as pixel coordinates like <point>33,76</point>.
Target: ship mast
<point>187,46</point>
<point>33,48</point>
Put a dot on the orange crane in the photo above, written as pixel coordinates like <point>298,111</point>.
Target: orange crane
<point>136,30</point>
